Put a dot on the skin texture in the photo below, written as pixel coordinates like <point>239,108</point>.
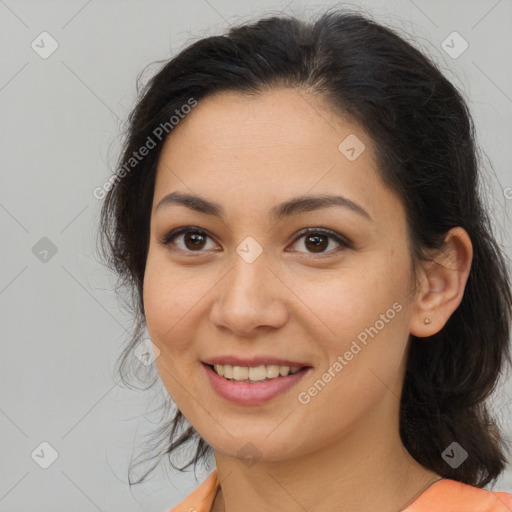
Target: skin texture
<point>342,450</point>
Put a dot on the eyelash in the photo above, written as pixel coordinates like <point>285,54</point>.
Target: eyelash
<point>344,243</point>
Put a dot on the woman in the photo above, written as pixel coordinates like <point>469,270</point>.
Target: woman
<point>299,218</point>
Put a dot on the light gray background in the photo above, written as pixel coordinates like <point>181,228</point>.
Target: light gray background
<point>61,326</point>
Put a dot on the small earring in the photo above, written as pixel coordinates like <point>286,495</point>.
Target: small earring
<point>428,321</point>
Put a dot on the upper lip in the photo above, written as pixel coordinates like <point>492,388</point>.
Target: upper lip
<point>254,361</point>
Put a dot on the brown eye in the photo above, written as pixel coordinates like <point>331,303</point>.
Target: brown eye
<point>317,241</point>
<point>192,239</point>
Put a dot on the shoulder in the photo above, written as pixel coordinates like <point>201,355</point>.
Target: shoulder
<point>443,496</point>
<point>202,498</point>
<point>452,496</point>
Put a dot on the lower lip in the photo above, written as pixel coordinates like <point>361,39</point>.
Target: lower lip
<point>245,393</point>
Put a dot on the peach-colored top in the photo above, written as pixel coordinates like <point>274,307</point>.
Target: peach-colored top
<point>442,496</point>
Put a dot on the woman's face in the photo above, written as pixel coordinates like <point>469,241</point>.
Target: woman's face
<point>245,283</point>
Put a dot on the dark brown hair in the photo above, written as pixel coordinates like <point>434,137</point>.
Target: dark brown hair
<point>424,137</point>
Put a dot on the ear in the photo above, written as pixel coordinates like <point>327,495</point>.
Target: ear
<point>442,283</point>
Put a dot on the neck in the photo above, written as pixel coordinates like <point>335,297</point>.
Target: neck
<point>350,474</point>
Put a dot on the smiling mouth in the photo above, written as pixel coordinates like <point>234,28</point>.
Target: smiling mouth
<point>255,374</point>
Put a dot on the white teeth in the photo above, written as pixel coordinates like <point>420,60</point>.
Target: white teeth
<point>254,373</point>
<point>272,371</point>
<point>257,373</point>
<point>240,372</point>
<point>228,371</point>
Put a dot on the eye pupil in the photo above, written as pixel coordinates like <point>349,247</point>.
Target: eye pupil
<point>196,239</point>
<point>318,243</point>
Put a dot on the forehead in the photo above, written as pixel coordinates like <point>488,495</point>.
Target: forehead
<point>276,117</point>
<point>279,144</point>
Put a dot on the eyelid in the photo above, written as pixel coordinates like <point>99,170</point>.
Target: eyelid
<point>174,233</point>
<point>324,231</point>
<point>344,242</point>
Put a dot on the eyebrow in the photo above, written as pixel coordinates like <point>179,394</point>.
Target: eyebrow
<point>300,204</point>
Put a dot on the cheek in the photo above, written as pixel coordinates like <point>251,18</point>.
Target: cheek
<point>347,301</point>
<point>169,302</point>
<point>167,299</point>
<point>364,317</point>
<point>157,302</point>
<point>174,303</point>
<point>365,355</point>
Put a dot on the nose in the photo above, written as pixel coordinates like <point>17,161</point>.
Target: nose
<point>250,298</point>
